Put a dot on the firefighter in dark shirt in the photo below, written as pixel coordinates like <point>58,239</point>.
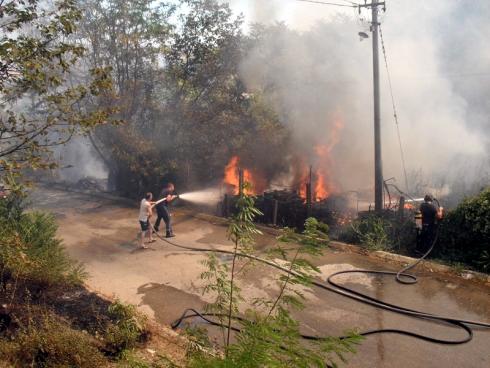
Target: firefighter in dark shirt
<point>429,222</point>
<point>163,211</point>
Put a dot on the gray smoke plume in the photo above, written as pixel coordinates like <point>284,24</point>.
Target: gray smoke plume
<point>77,160</point>
<point>318,75</point>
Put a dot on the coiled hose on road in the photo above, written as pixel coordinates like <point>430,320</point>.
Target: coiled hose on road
<point>401,276</point>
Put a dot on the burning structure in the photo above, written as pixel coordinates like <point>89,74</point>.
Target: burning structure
<point>307,189</point>
<point>306,182</point>
<point>310,172</point>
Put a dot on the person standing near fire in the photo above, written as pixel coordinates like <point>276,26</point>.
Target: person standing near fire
<point>430,214</point>
<point>144,218</point>
<point>163,209</point>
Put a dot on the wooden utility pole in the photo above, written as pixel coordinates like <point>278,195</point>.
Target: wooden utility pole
<point>378,164</point>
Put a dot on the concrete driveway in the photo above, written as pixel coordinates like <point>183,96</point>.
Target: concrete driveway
<point>164,280</point>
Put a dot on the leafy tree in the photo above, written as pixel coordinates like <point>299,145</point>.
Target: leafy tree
<point>37,97</point>
<point>129,37</point>
<point>184,104</point>
<point>216,116</point>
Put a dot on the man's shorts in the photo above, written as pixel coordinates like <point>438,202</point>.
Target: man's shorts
<point>145,225</point>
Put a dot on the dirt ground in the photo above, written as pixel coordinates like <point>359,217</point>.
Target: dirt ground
<point>164,280</point>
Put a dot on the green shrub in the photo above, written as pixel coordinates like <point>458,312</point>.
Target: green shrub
<point>128,329</point>
<point>464,234</point>
<point>372,232</point>
<point>30,249</point>
<point>386,232</point>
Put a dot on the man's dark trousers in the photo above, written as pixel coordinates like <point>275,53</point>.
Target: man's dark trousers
<point>427,236</point>
<point>162,212</point>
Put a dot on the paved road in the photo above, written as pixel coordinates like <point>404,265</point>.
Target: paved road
<point>164,280</point>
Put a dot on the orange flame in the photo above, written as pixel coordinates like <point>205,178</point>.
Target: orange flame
<point>321,191</point>
<point>232,178</point>
<point>324,185</point>
<point>320,188</point>
<point>409,206</point>
<point>231,174</point>
<point>302,190</point>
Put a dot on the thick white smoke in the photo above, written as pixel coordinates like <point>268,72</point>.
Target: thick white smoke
<point>77,160</point>
<point>316,71</point>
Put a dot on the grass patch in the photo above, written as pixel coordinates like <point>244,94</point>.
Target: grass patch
<point>128,328</point>
<point>51,343</point>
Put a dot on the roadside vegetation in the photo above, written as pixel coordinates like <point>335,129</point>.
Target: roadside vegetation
<point>464,235</point>
<point>387,232</point>
<point>463,238</point>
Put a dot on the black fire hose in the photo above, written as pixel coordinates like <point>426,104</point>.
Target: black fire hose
<point>351,294</point>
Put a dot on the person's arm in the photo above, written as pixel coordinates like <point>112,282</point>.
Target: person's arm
<point>149,212</point>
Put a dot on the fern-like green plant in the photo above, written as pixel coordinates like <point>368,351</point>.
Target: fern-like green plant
<point>218,284</point>
<point>294,249</point>
<point>268,335</point>
<point>241,232</point>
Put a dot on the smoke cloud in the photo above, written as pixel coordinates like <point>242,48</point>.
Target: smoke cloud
<point>77,160</point>
<point>318,75</point>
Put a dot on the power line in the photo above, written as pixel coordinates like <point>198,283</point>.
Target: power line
<point>395,115</point>
<point>350,2</point>
<point>352,5</point>
<point>447,76</point>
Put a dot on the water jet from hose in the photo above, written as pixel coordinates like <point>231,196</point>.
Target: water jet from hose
<point>210,196</point>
